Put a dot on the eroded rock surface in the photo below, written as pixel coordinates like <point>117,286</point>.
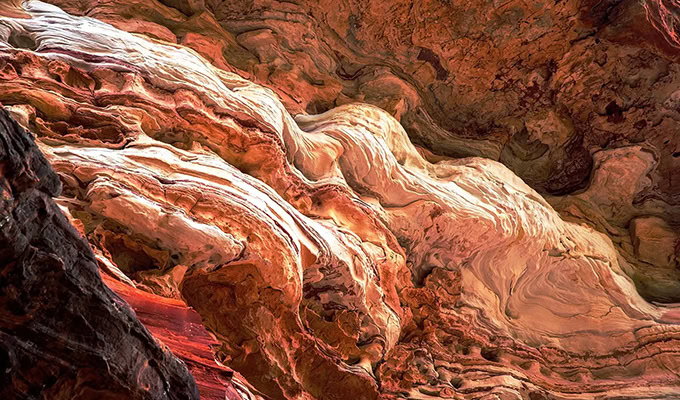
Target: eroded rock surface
<point>63,333</point>
<point>181,329</point>
<point>544,89</point>
<point>256,161</point>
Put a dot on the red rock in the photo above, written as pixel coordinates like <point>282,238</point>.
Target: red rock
<point>248,169</point>
<point>63,334</point>
<point>181,329</point>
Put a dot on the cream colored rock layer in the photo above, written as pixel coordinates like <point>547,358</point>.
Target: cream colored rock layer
<point>525,273</point>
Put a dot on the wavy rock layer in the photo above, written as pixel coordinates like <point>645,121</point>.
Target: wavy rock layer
<point>329,256</point>
<point>64,334</point>
<point>547,90</point>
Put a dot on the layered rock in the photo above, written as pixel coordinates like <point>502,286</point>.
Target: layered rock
<point>64,334</point>
<point>181,329</point>
<point>542,89</point>
<point>328,255</point>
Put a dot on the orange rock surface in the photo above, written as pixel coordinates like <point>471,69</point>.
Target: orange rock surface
<point>373,199</point>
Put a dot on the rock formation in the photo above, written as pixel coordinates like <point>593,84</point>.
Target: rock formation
<point>64,334</point>
<point>349,199</point>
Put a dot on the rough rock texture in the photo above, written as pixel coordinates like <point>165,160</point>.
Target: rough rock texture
<point>256,160</point>
<point>181,329</point>
<point>63,333</point>
<point>548,90</point>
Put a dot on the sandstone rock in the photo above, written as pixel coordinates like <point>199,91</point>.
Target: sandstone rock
<point>181,329</point>
<point>654,241</point>
<point>260,167</point>
<point>63,333</point>
<point>541,89</point>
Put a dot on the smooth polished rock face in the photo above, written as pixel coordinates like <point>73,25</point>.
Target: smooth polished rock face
<point>289,171</point>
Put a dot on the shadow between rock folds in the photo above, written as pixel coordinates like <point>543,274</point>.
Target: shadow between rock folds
<point>326,254</point>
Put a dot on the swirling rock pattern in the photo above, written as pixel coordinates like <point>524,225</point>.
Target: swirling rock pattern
<point>64,334</point>
<point>544,89</point>
<point>256,161</point>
